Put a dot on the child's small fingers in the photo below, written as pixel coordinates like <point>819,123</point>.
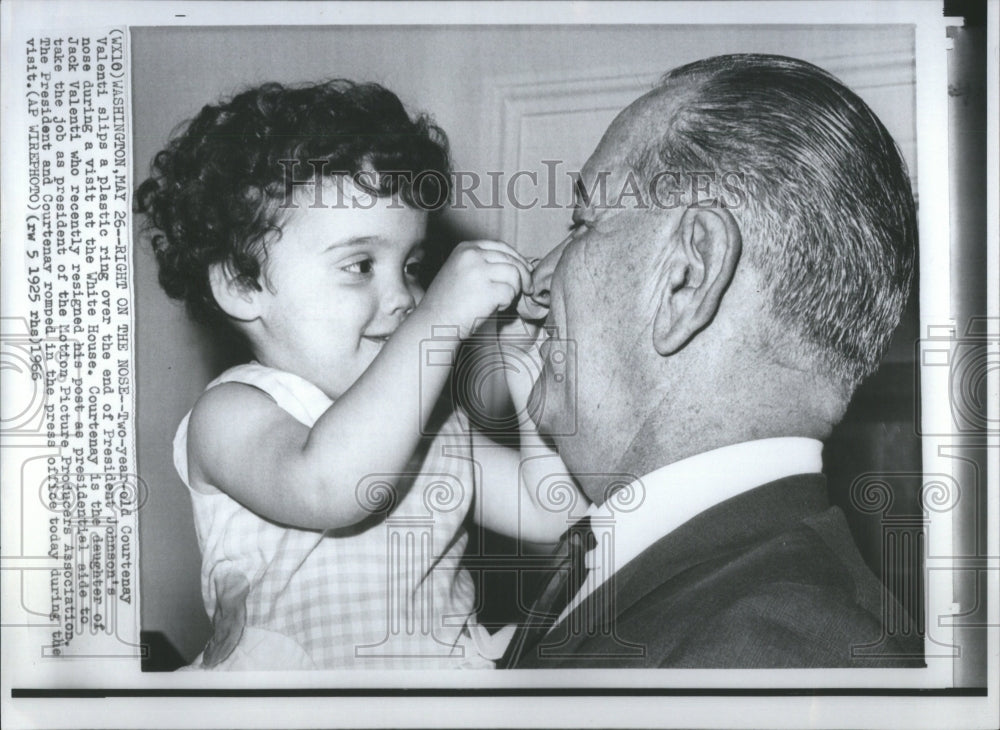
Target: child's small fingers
<point>510,277</point>
<point>505,293</point>
<point>502,247</point>
<point>499,248</point>
<point>500,258</point>
<point>530,310</point>
<point>507,273</point>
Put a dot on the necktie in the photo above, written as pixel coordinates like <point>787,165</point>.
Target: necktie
<point>563,583</point>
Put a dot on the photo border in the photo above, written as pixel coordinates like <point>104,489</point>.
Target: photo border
<point>821,704</point>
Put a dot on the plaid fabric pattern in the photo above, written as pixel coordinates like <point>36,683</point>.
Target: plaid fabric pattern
<point>382,595</point>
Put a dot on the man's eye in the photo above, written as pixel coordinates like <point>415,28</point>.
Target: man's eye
<point>364,266</point>
<point>578,226</point>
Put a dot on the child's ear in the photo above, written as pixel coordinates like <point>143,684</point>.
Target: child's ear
<point>234,297</point>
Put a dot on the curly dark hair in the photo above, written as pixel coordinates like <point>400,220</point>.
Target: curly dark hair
<point>213,195</point>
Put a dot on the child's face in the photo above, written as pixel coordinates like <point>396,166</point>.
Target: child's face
<point>337,284</point>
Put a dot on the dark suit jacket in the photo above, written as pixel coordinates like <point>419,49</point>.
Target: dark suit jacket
<point>769,578</point>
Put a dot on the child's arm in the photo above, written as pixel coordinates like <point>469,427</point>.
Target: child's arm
<point>526,494</point>
<point>241,442</point>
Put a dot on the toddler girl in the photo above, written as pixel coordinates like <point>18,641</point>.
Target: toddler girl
<point>328,498</point>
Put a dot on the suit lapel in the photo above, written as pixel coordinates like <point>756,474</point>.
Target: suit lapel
<point>727,528</point>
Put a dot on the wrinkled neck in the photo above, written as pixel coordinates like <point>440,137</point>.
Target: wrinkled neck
<point>730,409</point>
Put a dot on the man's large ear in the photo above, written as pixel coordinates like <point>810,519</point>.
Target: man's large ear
<point>234,297</point>
<point>697,273</point>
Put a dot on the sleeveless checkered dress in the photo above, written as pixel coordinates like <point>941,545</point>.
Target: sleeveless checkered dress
<point>385,594</point>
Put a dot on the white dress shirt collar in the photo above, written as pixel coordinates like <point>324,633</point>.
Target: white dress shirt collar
<point>660,502</point>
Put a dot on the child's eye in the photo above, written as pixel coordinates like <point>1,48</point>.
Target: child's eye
<point>363,266</point>
<point>413,269</point>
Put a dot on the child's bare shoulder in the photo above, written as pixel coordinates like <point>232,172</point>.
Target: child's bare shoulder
<point>232,421</point>
<point>225,400</point>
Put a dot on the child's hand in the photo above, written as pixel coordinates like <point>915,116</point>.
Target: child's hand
<point>532,309</point>
<point>533,304</point>
<point>478,279</point>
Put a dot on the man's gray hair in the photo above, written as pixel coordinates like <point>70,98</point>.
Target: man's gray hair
<point>828,220</point>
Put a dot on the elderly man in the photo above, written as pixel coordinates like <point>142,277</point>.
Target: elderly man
<point>721,322</point>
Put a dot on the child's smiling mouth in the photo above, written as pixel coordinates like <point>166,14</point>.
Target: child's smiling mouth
<point>377,339</point>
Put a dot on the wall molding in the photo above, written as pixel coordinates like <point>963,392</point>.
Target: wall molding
<point>514,99</point>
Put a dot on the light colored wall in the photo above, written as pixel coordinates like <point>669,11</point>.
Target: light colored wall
<point>455,74</point>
